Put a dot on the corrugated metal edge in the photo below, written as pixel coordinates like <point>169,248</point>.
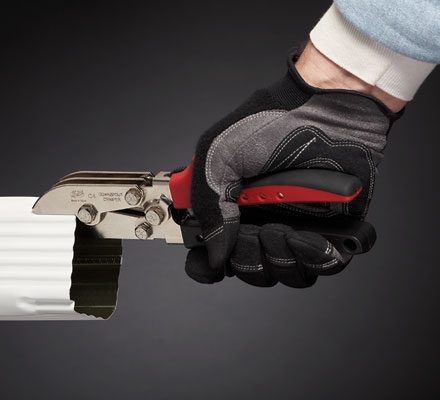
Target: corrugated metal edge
<point>45,274</point>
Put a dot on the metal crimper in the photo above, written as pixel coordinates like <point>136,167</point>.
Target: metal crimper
<point>140,205</point>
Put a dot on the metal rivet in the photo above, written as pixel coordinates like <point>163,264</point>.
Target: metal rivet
<point>87,213</point>
<point>143,231</point>
<point>155,215</point>
<point>133,196</point>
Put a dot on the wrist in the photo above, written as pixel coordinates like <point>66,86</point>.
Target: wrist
<point>392,75</point>
<point>321,72</point>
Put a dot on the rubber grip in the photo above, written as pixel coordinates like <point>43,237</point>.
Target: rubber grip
<point>291,186</point>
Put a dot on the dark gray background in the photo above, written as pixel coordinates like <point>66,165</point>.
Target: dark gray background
<point>131,87</point>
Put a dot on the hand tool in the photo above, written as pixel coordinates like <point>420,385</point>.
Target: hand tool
<point>140,205</point>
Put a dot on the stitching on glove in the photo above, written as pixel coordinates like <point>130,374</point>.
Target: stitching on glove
<point>322,266</point>
<point>302,148</point>
<point>345,143</point>
<point>327,251</point>
<point>295,210</point>
<point>219,229</point>
<point>224,180</point>
<point>222,136</point>
<point>247,268</point>
<point>230,188</point>
<point>351,144</point>
<point>321,160</point>
<point>302,151</point>
<point>280,260</point>
<point>283,144</point>
<point>213,233</point>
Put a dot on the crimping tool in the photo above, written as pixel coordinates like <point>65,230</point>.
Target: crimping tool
<point>140,205</point>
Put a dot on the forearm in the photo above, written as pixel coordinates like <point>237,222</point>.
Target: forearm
<point>319,71</point>
<point>339,55</point>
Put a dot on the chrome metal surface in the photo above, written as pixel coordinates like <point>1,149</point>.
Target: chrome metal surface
<point>87,213</point>
<point>115,203</point>
<point>133,196</point>
<point>143,231</point>
<point>155,215</point>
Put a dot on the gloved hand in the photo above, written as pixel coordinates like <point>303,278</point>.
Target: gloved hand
<point>286,126</point>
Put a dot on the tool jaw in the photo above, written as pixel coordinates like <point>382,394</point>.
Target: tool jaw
<point>116,205</point>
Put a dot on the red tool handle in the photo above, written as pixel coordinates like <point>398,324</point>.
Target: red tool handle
<point>292,186</point>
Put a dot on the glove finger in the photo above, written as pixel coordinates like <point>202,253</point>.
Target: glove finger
<point>219,244</point>
<point>247,258</point>
<point>316,253</point>
<point>280,259</point>
<point>197,267</point>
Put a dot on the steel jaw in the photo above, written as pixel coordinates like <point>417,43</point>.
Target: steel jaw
<point>116,205</point>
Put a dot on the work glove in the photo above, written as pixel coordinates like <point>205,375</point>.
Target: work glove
<point>288,125</point>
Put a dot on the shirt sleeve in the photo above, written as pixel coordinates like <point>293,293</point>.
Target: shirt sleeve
<point>409,27</point>
<point>343,43</point>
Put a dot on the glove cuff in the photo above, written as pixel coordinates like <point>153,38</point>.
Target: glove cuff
<point>293,91</point>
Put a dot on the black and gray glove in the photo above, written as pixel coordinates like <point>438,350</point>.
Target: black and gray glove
<point>289,125</point>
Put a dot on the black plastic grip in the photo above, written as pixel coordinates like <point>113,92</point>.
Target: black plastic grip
<point>299,186</point>
<point>320,179</point>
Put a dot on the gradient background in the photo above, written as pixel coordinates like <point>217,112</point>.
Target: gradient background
<point>87,85</point>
